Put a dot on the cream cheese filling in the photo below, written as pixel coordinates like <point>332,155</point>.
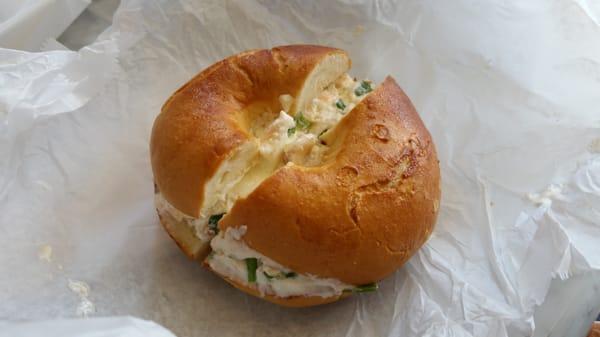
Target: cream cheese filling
<point>200,225</point>
<point>228,258</point>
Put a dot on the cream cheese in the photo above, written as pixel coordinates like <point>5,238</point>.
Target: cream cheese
<point>82,289</point>
<point>545,198</point>
<point>323,113</point>
<point>228,259</point>
<point>200,225</point>
<point>333,103</point>
<point>276,136</point>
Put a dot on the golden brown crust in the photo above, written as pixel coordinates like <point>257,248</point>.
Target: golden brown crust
<point>198,127</point>
<point>292,302</point>
<point>360,216</point>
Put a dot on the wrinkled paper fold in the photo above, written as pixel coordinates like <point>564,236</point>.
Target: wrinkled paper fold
<point>508,90</point>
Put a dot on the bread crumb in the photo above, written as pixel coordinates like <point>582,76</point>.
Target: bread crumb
<point>594,146</point>
<point>45,253</point>
<point>358,30</point>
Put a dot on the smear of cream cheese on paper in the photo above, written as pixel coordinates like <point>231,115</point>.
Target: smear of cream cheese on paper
<point>545,197</point>
<point>82,289</point>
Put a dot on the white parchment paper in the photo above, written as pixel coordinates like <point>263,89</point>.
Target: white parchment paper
<point>509,90</point>
<point>97,327</point>
<point>26,24</point>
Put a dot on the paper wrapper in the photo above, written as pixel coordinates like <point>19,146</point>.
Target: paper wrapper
<point>27,24</point>
<point>98,327</point>
<point>509,91</point>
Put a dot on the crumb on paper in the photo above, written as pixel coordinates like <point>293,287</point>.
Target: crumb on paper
<point>85,308</point>
<point>79,287</point>
<point>82,289</point>
<point>45,253</point>
<point>545,198</point>
<point>594,146</point>
<point>358,30</point>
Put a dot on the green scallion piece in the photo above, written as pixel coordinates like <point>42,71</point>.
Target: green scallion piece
<point>364,88</point>
<point>365,288</point>
<point>301,122</point>
<point>213,222</point>
<point>251,265</point>
<point>290,274</point>
<point>280,276</point>
<point>340,104</point>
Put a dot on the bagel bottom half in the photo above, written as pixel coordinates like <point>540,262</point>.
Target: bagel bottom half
<point>184,236</point>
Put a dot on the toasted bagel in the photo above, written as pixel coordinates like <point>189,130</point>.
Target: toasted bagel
<point>330,178</point>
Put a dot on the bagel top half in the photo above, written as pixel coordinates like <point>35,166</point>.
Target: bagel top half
<point>319,183</point>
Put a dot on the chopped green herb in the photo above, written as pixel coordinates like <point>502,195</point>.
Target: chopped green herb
<point>322,132</point>
<point>251,265</point>
<point>364,88</point>
<point>290,274</point>
<point>213,222</point>
<point>280,275</point>
<point>340,104</point>
<point>301,122</point>
<point>365,288</point>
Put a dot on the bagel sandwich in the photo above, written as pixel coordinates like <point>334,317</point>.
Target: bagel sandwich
<point>292,180</point>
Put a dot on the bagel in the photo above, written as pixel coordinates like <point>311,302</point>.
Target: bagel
<point>290,179</point>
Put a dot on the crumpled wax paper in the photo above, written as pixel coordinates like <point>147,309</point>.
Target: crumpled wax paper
<point>508,89</point>
<point>27,24</point>
<point>97,327</point>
